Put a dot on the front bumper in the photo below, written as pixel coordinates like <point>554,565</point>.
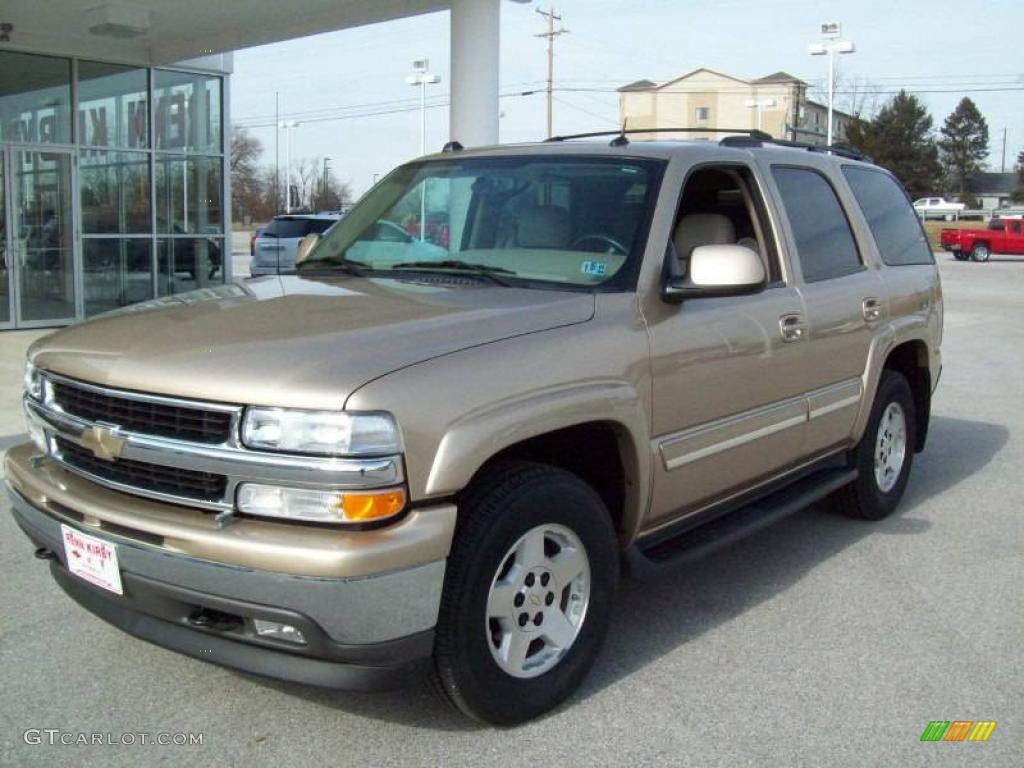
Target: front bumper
<point>362,631</point>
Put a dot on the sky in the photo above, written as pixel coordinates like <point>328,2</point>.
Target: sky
<point>939,49</point>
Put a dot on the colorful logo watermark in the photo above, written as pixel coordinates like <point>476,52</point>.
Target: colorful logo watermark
<point>958,730</point>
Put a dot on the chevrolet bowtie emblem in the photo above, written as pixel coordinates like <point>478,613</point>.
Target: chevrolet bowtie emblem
<point>103,443</point>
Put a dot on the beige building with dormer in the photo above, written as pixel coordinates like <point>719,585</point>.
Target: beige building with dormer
<point>703,98</point>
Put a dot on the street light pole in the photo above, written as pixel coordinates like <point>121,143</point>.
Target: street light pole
<point>832,46</point>
<point>422,76</point>
<point>288,125</point>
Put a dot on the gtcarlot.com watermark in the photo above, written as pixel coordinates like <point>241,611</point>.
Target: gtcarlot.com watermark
<point>56,737</point>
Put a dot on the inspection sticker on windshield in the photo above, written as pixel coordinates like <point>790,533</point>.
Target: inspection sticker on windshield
<point>91,559</point>
<point>594,268</point>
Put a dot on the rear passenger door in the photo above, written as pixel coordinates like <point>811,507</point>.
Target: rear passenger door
<point>842,296</point>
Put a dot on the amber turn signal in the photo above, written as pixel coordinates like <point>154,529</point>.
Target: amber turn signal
<point>364,507</point>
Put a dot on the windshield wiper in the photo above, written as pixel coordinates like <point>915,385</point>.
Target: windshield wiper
<point>478,270</point>
<point>349,266</point>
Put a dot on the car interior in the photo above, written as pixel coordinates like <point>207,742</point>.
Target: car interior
<point>719,207</point>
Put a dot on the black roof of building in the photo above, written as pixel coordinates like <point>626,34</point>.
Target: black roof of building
<point>639,85</point>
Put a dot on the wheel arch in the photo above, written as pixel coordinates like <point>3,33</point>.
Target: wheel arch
<point>912,357</point>
<point>596,432</point>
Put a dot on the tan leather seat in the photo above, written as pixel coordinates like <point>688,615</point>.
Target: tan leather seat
<point>539,226</point>
<point>696,229</point>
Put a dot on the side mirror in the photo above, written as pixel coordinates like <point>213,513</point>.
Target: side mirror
<point>305,247</point>
<point>718,270</point>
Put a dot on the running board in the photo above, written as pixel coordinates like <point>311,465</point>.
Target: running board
<point>646,558</point>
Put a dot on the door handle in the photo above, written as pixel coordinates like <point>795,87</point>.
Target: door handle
<point>871,309</point>
<point>792,327</point>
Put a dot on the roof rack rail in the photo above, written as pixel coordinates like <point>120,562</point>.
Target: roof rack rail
<point>620,139</point>
<point>841,150</point>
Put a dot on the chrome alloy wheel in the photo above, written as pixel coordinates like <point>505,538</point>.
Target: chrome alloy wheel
<point>890,447</point>
<point>538,601</point>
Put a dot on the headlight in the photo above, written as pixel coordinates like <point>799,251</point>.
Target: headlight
<point>33,382</point>
<point>323,433</point>
<point>318,506</point>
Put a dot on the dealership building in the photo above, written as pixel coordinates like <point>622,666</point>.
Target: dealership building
<point>114,137</point>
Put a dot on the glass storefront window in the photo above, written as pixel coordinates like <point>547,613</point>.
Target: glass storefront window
<point>112,106</point>
<point>188,111</point>
<point>35,98</point>
<point>118,272</point>
<point>114,192</point>
<point>187,263</point>
<point>188,195</point>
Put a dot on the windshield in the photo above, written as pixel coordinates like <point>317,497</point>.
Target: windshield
<point>570,221</point>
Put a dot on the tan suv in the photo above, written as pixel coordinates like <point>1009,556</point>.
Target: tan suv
<point>436,445</point>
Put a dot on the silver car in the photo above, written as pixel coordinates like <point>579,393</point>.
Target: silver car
<point>273,251</point>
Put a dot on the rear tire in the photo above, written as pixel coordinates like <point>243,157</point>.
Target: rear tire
<point>885,454</point>
<point>527,595</point>
<point>961,256</point>
<point>980,252</point>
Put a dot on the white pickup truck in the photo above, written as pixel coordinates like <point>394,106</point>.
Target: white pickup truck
<point>937,208</point>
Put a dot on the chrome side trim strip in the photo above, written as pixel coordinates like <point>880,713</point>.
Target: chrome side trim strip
<point>706,440</point>
<point>836,406</point>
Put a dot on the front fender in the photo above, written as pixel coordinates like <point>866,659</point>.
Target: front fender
<point>479,435</point>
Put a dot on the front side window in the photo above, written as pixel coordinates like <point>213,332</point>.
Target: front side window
<point>892,221</point>
<point>824,240</point>
<point>577,222</point>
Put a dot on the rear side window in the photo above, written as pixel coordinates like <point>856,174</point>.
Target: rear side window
<point>892,221</point>
<point>284,228</point>
<point>824,241</point>
<point>319,226</point>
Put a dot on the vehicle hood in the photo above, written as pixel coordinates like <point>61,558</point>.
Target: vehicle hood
<point>296,341</point>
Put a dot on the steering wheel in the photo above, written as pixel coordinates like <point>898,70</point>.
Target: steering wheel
<point>389,232</point>
<point>596,237</point>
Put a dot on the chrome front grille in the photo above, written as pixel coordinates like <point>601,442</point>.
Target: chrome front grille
<point>145,417</point>
<point>176,450</point>
<point>143,476</point>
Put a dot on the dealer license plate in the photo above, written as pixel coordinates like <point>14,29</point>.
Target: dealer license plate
<point>91,559</point>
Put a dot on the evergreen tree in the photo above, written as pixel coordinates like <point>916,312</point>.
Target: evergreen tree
<point>964,143</point>
<point>900,138</point>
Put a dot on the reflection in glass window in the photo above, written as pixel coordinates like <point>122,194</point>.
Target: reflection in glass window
<point>824,241</point>
<point>114,192</point>
<point>188,116</point>
<point>185,264</point>
<point>188,195</point>
<point>118,272</point>
<point>112,106</point>
<point>35,98</point>
<point>892,221</point>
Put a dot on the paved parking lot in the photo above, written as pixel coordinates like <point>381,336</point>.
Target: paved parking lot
<point>820,642</point>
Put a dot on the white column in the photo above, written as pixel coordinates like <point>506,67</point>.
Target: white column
<point>475,41</point>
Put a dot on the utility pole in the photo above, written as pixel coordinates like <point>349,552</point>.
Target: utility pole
<point>1002,165</point>
<point>327,169</point>
<point>277,152</point>
<point>551,34</point>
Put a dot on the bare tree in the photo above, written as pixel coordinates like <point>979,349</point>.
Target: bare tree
<point>854,94</point>
<point>246,181</point>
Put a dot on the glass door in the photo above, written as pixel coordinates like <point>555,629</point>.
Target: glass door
<point>5,249</point>
<point>42,237</point>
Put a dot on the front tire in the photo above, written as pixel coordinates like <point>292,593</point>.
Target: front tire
<point>527,595</point>
<point>980,252</point>
<point>885,454</point>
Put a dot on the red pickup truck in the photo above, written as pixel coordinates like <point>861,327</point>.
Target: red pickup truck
<point>1002,236</point>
